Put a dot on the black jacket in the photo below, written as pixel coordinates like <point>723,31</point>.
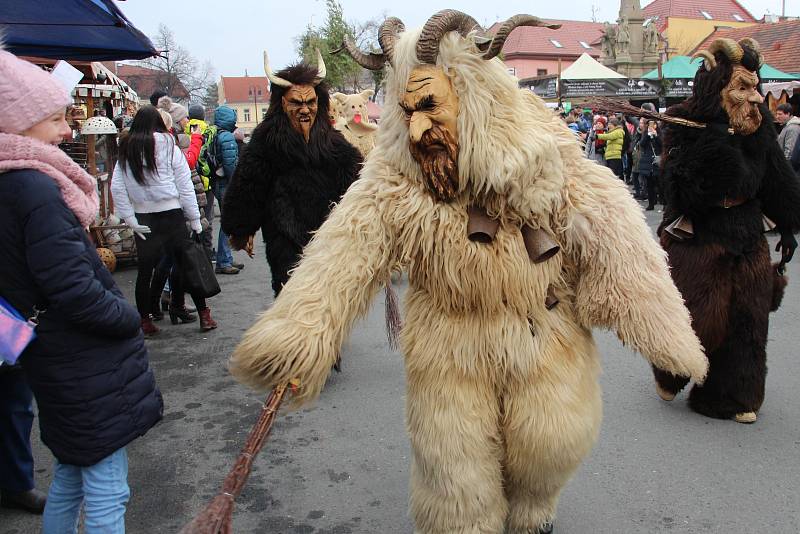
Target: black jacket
<point>286,187</point>
<point>703,167</point>
<point>649,147</point>
<point>88,366</point>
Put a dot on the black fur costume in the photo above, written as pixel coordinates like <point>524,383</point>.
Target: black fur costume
<point>724,271</point>
<point>285,186</point>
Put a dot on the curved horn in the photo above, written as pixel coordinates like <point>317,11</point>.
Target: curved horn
<point>753,45</point>
<point>508,26</point>
<point>437,26</point>
<point>708,59</point>
<point>368,61</point>
<point>387,35</point>
<point>277,80</point>
<point>321,70</point>
<point>729,47</point>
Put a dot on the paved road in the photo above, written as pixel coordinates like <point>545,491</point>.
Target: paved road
<point>341,467</point>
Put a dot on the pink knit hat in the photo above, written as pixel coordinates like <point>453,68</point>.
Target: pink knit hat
<point>28,94</point>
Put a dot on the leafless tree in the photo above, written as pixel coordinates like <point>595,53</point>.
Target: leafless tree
<point>178,69</point>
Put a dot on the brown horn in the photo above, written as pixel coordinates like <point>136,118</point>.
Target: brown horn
<point>387,35</point>
<point>437,26</point>
<point>277,80</point>
<point>729,47</point>
<point>753,45</point>
<point>708,59</point>
<point>367,60</point>
<point>508,26</point>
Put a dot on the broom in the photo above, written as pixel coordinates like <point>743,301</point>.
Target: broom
<point>217,516</point>
<point>609,105</point>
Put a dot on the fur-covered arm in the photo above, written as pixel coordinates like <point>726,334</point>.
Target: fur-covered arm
<point>700,168</point>
<point>623,280</point>
<point>342,268</point>
<point>780,192</point>
<point>244,206</point>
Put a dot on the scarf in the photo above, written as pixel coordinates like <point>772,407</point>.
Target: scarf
<point>78,188</point>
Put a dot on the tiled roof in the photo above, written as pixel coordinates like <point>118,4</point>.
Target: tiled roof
<point>538,41</point>
<point>147,81</point>
<point>239,89</point>
<point>779,42</point>
<point>721,10</point>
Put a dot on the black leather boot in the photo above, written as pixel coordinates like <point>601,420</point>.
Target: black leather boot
<point>32,501</point>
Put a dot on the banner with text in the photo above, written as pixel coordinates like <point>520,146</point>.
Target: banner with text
<point>622,87</point>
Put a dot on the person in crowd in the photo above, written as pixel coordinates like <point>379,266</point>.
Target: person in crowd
<point>638,181</point>
<point>595,148</point>
<point>156,96</point>
<point>198,125</point>
<point>88,366</point>
<point>614,139</point>
<point>791,128</point>
<point>572,125</point>
<point>228,150</point>
<point>650,144</point>
<point>154,195</point>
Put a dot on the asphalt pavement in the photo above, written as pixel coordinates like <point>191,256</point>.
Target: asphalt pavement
<point>342,465</point>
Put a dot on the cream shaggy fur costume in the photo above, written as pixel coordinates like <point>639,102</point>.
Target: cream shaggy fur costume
<point>503,397</point>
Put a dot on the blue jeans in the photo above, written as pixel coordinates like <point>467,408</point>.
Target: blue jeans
<point>102,488</point>
<point>224,255</point>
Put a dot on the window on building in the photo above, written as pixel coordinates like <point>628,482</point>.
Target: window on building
<point>585,44</point>
<point>259,91</point>
<point>246,112</point>
<point>250,92</point>
<point>263,113</point>
<point>556,43</point>
<point>541,72</point>
<point>236,114</point>
<point>738,17</point>
<point>706,14</point>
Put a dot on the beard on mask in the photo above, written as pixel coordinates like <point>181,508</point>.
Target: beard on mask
<point>437,155</point>
<point>744,118</point>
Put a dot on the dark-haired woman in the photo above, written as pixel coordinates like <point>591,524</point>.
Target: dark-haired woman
<point>154,195</point>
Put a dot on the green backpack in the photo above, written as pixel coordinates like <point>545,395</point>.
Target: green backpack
<point>209,161</point>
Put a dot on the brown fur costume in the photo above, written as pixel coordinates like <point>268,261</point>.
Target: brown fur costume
<point>724,271</point>
<point>503,399</point>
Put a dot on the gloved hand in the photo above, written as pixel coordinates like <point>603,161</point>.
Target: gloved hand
<point>138,229</point>
<point>196,226</point>
<point>786,246</point>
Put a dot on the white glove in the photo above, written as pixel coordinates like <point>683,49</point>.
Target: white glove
<point>196,227</point>
<point>138,229</point>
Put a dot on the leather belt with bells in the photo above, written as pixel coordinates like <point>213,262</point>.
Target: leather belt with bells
<point>538,243</point>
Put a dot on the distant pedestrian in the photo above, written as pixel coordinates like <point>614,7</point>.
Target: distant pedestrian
<point>791,128</point>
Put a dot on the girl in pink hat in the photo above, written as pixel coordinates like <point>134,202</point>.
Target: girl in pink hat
<point>88,365</point>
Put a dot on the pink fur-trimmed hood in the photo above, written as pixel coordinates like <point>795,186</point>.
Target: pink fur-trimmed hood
<point>78,188</point>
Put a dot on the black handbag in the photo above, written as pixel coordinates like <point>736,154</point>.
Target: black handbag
<point>198,273</point>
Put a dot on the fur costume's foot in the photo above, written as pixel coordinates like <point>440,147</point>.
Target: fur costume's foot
<point>544,528</point>
<point>745,417</point>
<point>664,394</point>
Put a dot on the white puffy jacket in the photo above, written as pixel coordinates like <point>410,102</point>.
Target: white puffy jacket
<point>169,188</point>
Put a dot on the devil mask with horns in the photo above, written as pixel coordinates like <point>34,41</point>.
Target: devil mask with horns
<point>300,94</point>
<point>729,82</point>
<point>430,103</point>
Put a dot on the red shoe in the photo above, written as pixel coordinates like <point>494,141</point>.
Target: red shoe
<point>148,328</point>
<point>206,322</point>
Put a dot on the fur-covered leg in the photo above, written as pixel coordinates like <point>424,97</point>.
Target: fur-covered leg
<point>738,369</point>
<point>669,384</point>
<point>456,482</point>
<point>551,421</point>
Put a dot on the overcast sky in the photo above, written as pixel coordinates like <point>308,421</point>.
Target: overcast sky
<point>232,33</point>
